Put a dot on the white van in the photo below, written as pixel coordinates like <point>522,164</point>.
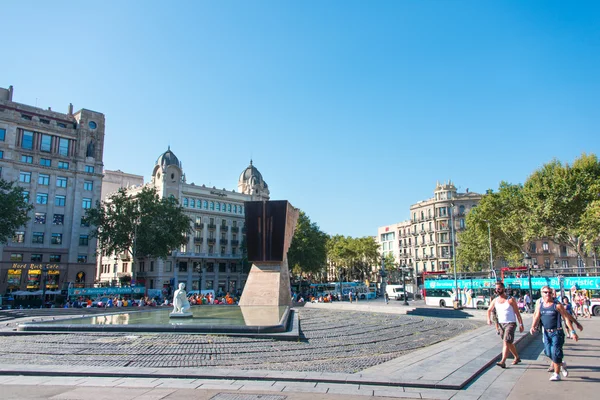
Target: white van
<point>396,292</point>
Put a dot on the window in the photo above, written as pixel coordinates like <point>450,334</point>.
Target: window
<point>61,125</point>
<point>205,205</point>
<point>88,185</point>
<point>58,219</point>
<point>54,257</point>
<point>89,168</point>
<point>63,147</point>
<point>38,237</point>
<point>83,240</point>
<point>26,159</point>
<point>84,222</point>
<point>44,121</point>
<point>46,143</point>
<point>63,165</point>
<point>185,201</point>
<point>151,266</point>
<point>183,266</point>
<point>25,177</point>
<point>228,207</point>
<point>545,247</point>
<point>59,201</point>
<point>26,197</point>
<point>41,198</point>
<point>192,203</point>
<point>1,154</point>
<point>27,142</point>
<point>218,206</point>
<point>45,162</point>
<point>19,237</point>
<point>212,205</point>
<point>56,238</point>
<point>92,125</point>
<point>86,203</point>
<point>2,134</point>
<point>40,218</point>
<point>222,250</point>
<point>16,257</point>
<point>169,266</point>
<point>26,117</point>
<point>43,179</point>
<point>82,258</point>
<point>61,181</point>
<point>211,249</point>
<point>36,258</point>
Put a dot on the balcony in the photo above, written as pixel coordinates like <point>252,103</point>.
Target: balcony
<point>235,242</point>
<point>190,255</point>
<point>125,257</point>
<point>212,226</point>
<point>199,226</point>
<point>235,229</point>
<point>198,239</point>
<point>223,241</point>
<point>444,228</point>
<point>211,240</point>
<point>224,228</point>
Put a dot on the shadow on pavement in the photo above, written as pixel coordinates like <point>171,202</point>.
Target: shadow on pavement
<point>439,313</point>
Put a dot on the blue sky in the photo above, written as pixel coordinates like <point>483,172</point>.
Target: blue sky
<point>351,110</point>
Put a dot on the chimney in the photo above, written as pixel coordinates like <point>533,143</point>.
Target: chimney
<point>70,109</point>
<point>10,93</point>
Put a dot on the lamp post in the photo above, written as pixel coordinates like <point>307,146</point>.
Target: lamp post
<point>383,275</point>
<point>527,259</point>
<point>457,299</point>
<point>491,255</point>
<point>402,271</point>
<point>115,265</point>
<point>44,277</point>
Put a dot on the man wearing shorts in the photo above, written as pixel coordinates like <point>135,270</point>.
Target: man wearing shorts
<point>508,314</point>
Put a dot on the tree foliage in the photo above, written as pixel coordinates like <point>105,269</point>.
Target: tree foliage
<point>308,251</point>
<point>560,202</point>
<point>142,225</point>
<point>353,257</point>
<point>13,209</point>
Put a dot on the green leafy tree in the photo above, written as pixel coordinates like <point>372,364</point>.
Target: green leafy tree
<point>142,225</point>
<point>354,257</point>
<point>562,200</point>
<point>13,209</point>
<point>308,250</point>
<point>505,214</point>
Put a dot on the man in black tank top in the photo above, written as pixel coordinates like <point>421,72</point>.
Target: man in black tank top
<point>551,315</point>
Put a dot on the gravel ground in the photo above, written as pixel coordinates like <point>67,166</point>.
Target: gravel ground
<point>333,341</point>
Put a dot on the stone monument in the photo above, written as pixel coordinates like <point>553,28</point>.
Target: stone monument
<point>270,228</point>
<point>181,305</point>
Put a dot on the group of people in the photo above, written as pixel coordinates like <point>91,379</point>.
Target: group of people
<point>550,314</point>
<point>198,299</point>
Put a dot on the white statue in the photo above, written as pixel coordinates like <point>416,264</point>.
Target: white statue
<point>181,305</point>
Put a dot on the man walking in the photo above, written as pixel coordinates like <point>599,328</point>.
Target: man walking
<point>551,314</point>
<point>508,314</point>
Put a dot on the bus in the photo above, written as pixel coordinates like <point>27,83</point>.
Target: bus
<point>359,289</point>
<point>476,289</point>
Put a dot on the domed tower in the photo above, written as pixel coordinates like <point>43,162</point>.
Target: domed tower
<point>252,183</point>
<point>167,175</point>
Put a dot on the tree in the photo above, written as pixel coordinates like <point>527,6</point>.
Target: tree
<point>308,251</point>
<point>354,256</point>
<point>506,215</point>
<point>562,201</point>
<point>142,225</point>
<point>13,209</point>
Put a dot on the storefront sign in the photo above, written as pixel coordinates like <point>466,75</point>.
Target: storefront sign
<point>108,291</point>
<point>34,266</point>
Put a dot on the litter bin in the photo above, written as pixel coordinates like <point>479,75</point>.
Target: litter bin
<point>457,305</point>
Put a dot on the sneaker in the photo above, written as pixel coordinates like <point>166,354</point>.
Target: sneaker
<point>564,370</point>
<point>555,377</point>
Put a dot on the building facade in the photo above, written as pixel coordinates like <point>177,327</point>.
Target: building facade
<point>212,257</point>
<point>57,159</point>
<point>424,242</point>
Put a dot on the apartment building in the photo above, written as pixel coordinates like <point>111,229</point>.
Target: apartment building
<point>57,159</point>
<point>212,258</point>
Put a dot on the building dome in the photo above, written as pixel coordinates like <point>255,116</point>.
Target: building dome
<point>168,158</point>
<point>252,177</point>
<point>251,182</point>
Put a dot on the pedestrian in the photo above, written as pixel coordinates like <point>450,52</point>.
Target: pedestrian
<point>527,303</point>
<point>508,314</point>
<point>350,296</point>
<point>386,297</point>
<point>550,314</point>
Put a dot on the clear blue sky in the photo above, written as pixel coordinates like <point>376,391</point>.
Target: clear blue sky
<point>352,110</point>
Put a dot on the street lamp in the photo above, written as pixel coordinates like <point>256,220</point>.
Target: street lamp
<point>115,265</point>
<point>527,260</point>
<point>383,275</point>
<point>44,277</point>
<point>457,299</point>
<point>402,271</point>
<point>491,255</point>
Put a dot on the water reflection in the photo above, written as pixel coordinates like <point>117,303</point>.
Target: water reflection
<point>202,315</point>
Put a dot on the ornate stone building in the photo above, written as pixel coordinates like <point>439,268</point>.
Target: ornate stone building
<point>57,159</point>
<point>212,258</point>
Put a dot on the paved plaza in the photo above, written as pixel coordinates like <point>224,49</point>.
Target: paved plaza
<point>349,353</point>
